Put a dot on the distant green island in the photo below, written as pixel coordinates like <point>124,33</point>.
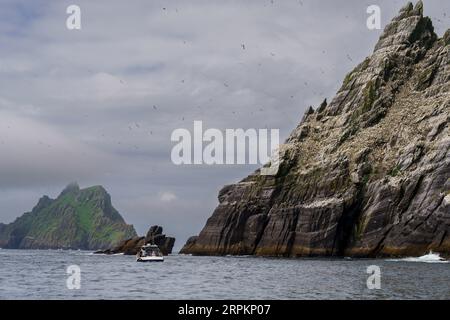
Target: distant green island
<point>77,219</point>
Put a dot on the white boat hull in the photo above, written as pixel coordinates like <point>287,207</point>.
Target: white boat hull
<point>150,259</point>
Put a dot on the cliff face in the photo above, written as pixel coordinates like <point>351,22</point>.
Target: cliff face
<point>366,175</point>
<point>77,219</point>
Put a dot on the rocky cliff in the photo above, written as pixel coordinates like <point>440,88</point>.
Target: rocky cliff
<point>133,245</point>
<point>364,175</point>
<point>76,219</point>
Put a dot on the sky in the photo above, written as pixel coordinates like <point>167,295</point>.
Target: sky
<point>98,105</point>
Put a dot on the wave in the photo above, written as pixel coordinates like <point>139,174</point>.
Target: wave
<point>105,254</point>
<point>428,258</point>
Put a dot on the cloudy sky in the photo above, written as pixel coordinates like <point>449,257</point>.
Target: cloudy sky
<point>98,105</point>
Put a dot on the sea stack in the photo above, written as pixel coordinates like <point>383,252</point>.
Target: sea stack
<point>131,246</point>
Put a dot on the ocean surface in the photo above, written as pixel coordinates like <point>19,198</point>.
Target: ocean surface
<point>42,274</point>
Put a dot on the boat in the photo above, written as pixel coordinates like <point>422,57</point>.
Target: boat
<point>149,253</point>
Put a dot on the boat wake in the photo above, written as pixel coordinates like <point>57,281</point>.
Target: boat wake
<point>428,258</point>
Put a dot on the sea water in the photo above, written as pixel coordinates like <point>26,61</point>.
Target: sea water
<point>42,274</point>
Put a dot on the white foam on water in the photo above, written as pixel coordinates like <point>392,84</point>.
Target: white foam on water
<point>428,258</point>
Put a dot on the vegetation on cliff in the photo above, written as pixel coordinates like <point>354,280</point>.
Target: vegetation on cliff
<point>76,219</point>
